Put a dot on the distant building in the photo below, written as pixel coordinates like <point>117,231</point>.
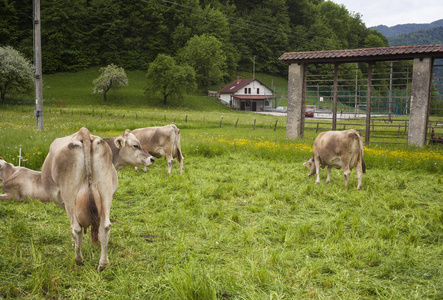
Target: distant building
<point>247,95</point>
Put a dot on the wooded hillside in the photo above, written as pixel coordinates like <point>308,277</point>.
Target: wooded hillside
<point>77,34</point>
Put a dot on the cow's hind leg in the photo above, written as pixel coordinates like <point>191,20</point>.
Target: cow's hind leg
<point>359,172</point>
<point>77,235</point>
<point>103,234</point>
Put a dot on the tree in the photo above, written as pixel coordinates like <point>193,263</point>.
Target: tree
<point>168,78</point>
<point>16,72</point>
<point>112,76</point>
<point>204,53</point>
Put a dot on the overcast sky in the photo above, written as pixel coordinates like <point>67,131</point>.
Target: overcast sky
<point>394,12</point>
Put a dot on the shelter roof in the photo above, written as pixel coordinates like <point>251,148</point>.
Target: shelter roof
<point>364,54</point>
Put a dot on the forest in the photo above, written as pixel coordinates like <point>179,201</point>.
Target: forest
<point>77,34</point>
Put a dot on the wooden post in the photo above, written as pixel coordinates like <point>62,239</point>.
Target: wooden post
<point>236,123</point>
<point>368,105</point>
<point>334,98</point>
<point>186,120</point>
<point>254,123</point>
<point>38,112</point>
<point>316,130</point>
<point>275,126</point>
<point>221,122</point>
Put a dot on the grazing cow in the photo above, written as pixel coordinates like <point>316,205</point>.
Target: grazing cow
<point>338,149</point>
<point>20,183</point>
<point>127,151</point>
<point>162,142</point>
<point>78,175</point>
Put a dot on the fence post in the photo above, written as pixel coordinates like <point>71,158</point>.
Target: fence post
<point>60,111</point>
<point>165,117</point>
<point>316,130</point>
<point>254,123</point>
<point>275,126</point>
<point>236,123</point>
<point>221,122</point>
<point>186,120</point>
<point>93,113</point>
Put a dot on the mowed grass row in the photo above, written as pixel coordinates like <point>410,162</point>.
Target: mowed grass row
<point>243,222</point>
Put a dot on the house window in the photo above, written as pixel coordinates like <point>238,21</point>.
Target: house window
<point>249,90</point>
<point>258,91</point>
<point>246,90</point>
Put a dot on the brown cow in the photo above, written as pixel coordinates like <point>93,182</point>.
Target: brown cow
<point>338,149</point>
<point>127,151</point>
<point>162,142</point>
<point>78,175</point>
<point>19,183</point>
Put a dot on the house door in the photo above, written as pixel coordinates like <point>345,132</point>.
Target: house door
<point>254,106</point>
<point>242,105</point>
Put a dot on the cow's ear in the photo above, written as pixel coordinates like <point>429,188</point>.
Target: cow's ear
<point>127,131</point>
<point>119,142</point>
<point>306,164</point>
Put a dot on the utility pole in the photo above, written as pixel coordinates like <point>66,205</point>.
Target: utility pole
<point>253,68</point>
<point>38,112</point>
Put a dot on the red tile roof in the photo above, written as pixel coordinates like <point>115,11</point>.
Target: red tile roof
<point>236,85</point>
<point>364,54</point>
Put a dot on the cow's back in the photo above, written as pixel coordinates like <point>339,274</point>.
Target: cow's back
<point>157,140</point>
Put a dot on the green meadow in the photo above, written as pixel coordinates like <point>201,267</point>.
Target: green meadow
<point>244,221</point>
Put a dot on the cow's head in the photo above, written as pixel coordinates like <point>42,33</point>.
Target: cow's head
<point>131,151</point>
<point>311,164</point>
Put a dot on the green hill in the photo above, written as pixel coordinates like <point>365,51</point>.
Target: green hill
<point>64,90</point>
<point>421,37</point>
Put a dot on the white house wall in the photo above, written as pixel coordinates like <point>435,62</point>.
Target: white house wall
<point>253,86</point>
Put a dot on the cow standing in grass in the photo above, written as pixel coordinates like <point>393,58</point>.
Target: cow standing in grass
<point>78,175</point>
<point>162,142</point>
<point>338,149</point>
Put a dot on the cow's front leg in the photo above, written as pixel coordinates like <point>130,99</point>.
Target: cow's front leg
<point>5,197</point>
<point>346,173</point>
<point>317,170</point>
<point>329,174</point>
<point>170,162</point>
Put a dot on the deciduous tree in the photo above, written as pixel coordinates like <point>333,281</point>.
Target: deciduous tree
<point>111,76</point>
<point>204,53</point>
<point>167,78</point>
<point>16,72</point>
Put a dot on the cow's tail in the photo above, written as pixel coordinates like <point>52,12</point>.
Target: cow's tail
<point>92,207</point>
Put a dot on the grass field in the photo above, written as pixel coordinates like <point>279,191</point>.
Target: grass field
<point>243,222</point>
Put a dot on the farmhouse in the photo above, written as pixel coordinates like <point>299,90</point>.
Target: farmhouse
<point>247,94</point>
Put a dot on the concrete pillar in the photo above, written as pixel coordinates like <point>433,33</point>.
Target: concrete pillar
<point>296,101</point>
<point>420,97</point>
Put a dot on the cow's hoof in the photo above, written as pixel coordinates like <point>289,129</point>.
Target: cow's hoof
<point>101,268</point>
<point>80,262</point>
